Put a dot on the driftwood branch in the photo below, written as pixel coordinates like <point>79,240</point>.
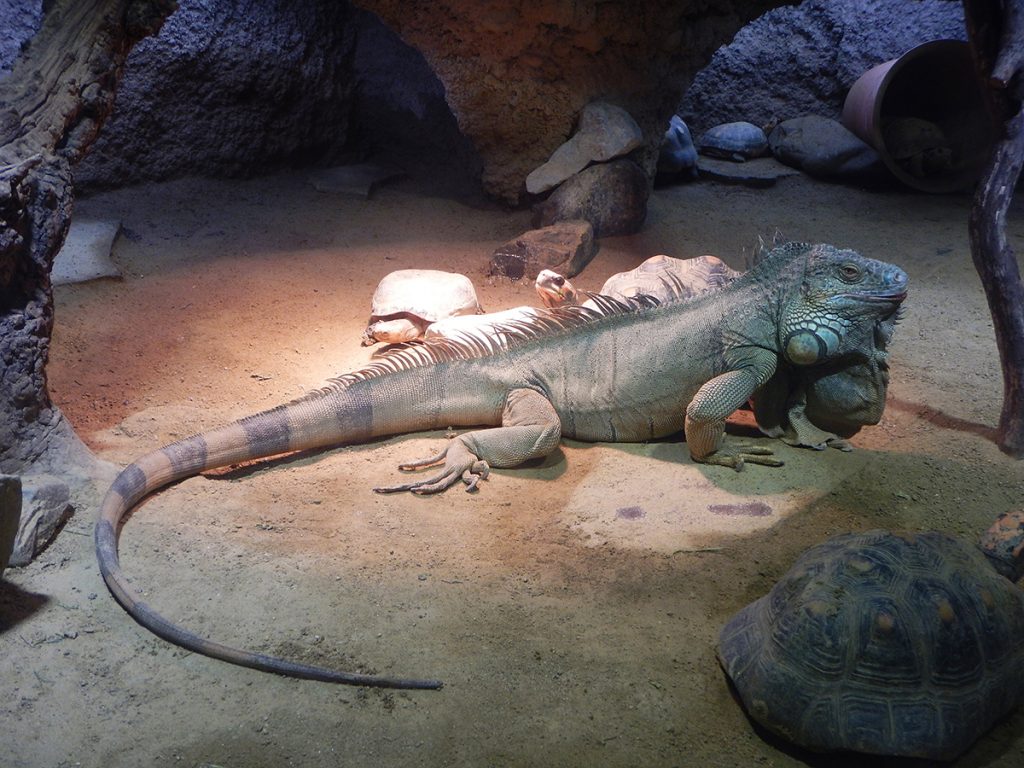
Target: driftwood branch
<point>51,109</point>
<point>996,33</point>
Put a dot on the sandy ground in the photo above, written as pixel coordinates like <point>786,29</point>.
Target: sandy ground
<point>571,608</point>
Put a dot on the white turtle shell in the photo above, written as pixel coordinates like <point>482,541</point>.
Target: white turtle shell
<point>430,294</point>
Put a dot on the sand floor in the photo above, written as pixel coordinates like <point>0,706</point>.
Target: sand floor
<point>572,607</point>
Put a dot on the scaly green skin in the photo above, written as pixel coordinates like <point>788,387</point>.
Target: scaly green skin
<point>625,373</point>
<point>815,407</point>
<point>819,406</point>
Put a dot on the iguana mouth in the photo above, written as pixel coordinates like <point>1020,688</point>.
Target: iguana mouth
<point>876,297</point>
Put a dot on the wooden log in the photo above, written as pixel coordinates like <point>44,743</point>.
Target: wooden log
<point>51,109</point>
<point>996,33</point>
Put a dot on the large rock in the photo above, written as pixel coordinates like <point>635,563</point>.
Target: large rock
<point>10,514</point>
<point>399,111</point>
<point>822,147</point>
<point>516,75</point>
<point>566,247</point>
<point>484,90</point>
<point>228,88</point>
<point>605,132</point>
<point>19,21</point>
<point>799,60</point>
<point>611,196</point>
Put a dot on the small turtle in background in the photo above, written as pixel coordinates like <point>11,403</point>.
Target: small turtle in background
<point>919,147</point>
<point>737,141</point>
<point>903,644</point>
<point>408,300</point>
<point>663,277</point>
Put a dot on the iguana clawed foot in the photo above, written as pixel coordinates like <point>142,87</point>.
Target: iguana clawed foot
<point>738,455</point>
<point>831,441</point>
<point>459,464</point>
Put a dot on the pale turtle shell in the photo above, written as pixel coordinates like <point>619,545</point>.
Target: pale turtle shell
<point>906,644</point>
<point>667,279</point>
<point>429,294</point>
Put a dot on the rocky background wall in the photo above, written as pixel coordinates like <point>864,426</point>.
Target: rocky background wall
<point>802,60</point>
<point>242,86</point>
<point>489,90</point>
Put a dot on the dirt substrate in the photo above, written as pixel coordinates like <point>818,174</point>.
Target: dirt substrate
<point>571,608</point>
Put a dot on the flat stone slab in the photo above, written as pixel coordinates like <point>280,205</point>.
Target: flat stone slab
<point>760,172</point>
<point>86,253</point>
<point>359,180</point>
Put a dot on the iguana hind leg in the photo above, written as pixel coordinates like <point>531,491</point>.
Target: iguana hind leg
<point>529,429</point>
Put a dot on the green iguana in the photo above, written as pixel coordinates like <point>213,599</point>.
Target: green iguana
<point>626,372</point>
<point>811,406</point>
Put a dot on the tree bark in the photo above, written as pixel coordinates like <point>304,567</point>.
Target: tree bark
<point>996,33</point>
<point>51,109</point>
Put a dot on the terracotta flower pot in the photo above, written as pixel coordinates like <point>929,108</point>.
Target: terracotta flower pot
<point>925,114</point>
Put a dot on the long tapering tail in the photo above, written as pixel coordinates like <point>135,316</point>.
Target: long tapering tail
<point>267,434</point>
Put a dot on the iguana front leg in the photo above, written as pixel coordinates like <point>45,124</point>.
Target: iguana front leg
<point>529,429</point>
<point>714,402</point>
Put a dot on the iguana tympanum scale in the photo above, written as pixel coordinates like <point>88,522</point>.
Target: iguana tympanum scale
<point>622,373</point>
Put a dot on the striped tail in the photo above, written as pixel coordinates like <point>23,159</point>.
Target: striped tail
<point>293,427</point>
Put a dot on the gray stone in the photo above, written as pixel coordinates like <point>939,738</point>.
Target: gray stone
<point>822,147</point>
<point>611,196</point>
<point>800,60</point>
<point>737,141</point>
<point>46,506</point>
<point>759,172</point>
<point>566,247</point>
<point>10,514</point>
<point>677,156</point>
<point>605,132</point>
<point>86,253</point>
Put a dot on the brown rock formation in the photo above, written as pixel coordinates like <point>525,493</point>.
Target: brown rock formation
<point>518,73</point>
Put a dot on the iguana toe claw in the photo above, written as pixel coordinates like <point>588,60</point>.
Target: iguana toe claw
<point>458,464</point>
<point>430,485</point>
<point>737,457</point>
<point>429,461</point>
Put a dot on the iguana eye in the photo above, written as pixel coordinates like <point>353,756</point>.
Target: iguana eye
<point>849,272</point>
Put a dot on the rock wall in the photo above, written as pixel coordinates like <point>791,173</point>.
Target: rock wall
<point>19,20</point>
<point>229,87</point>
<point>399,109</point>
<point>517,73</point>
<point>489,89</point>
<point>801,60</point>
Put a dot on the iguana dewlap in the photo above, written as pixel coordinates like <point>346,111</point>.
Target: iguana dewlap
<point>622,373</point>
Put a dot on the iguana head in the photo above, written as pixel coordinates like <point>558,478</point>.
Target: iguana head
<point>840,291</point>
